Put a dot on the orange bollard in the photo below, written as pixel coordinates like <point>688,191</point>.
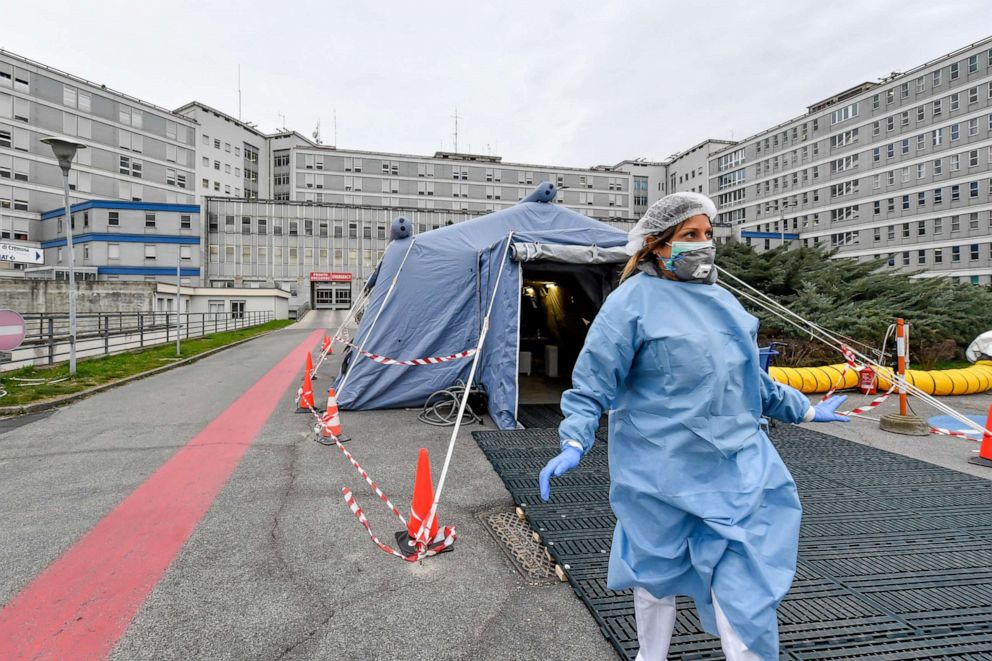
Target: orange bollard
<point>984,457</point>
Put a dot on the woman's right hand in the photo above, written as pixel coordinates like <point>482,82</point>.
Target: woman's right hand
<point>564,462</point>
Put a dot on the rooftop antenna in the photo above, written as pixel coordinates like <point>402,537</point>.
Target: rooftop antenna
<point>316,133</point>
<point>456,129</point>
<point>282,118</point>
<point>335,127</point>
<point>239,92</point>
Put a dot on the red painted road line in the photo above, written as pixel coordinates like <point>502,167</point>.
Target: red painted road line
<point>81,604</point>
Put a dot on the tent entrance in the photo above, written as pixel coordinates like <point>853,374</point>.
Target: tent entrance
<point>557,304</point>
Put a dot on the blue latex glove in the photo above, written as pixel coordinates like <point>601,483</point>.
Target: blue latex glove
<point>564,462</point>
<point>824,411</point>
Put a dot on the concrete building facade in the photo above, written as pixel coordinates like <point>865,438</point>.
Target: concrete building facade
<point>118,240</point>
<point>322,254</point>
<point>135,151</point>
<point>897,170</point>
<point>233,157</point>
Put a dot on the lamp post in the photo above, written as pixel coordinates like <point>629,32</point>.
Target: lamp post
<point>65,151</point>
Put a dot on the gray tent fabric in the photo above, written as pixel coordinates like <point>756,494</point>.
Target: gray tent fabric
<point>440,298</point>
<point>552,252</point>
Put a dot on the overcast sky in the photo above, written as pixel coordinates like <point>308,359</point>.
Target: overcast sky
<point>574,83</point>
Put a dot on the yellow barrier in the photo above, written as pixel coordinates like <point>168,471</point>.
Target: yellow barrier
<point>965,381</point>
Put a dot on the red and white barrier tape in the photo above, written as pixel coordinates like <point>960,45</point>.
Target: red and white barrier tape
<point>951,432</point>
<point>352,504</point>
<point>872,404</point>
<point>365,476</point>
<point>424,549</point>
<point>434,360</point>
<point>445,538</point>
<point>837,384</point>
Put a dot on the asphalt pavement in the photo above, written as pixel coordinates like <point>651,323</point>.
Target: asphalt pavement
<point>279,568</point>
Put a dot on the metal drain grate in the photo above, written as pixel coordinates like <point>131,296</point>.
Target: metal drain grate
<point>517,541</point>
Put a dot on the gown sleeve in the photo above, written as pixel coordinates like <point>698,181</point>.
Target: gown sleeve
<point>782,402</point>
<point>599,372</point>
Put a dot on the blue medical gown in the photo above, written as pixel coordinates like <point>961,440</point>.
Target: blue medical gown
<point>702,499</point>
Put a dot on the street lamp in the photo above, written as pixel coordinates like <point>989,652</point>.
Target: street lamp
<point>65,150</point>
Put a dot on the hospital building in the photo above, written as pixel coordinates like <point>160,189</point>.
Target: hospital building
<point>897,169</point>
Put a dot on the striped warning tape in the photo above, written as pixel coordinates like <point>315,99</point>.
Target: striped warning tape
<point>872,404</point>
<point>441,541</point>
<point>850,363</point>
<point>434,360</point>
<point>365,476</point>
<point>951,432</point>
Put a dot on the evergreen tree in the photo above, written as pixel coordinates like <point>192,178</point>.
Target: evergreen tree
<point>858,300</point>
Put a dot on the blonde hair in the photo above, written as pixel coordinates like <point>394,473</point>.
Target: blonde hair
<point>650,243</point>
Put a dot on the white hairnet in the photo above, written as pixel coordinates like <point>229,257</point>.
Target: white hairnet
<point>667,212</point>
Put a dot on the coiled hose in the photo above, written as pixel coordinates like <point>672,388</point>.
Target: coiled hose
<point>441,408</point>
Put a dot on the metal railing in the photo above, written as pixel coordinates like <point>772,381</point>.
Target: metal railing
<point>46,341</point>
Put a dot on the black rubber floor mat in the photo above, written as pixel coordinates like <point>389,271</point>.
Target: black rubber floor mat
<point>544,416</point>
<point>895,557</point>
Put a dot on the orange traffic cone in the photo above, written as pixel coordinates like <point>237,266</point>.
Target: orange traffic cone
<point>325,346</point>
<point>984,457</point>
<point>330,427</point>
<point>423,499</point>
<point>310,371</point>
<point>304,396</point>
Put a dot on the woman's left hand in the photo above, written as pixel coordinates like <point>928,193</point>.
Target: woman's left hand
<point>824,411</point>
<point>564,462</point>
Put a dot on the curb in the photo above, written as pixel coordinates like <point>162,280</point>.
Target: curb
<point>37,407</point>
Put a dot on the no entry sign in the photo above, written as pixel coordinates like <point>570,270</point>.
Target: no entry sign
<point>11,330</point>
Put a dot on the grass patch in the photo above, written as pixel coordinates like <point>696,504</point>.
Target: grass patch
<point>92,372</point>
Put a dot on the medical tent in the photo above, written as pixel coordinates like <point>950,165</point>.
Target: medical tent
<point>433,290</point>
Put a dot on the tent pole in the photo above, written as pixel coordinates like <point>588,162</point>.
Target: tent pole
<point>389,292</point>
<point>428,520</point>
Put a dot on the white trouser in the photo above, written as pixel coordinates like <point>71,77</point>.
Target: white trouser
<point>656,621</point>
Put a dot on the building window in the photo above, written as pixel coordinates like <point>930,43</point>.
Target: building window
<point>114,218</point>
<point>246,224</point>
<point>149,251</point>
<point>185,253</point>
<point>185,222</point>
<point>149,219</point>
<point>113,251</point>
